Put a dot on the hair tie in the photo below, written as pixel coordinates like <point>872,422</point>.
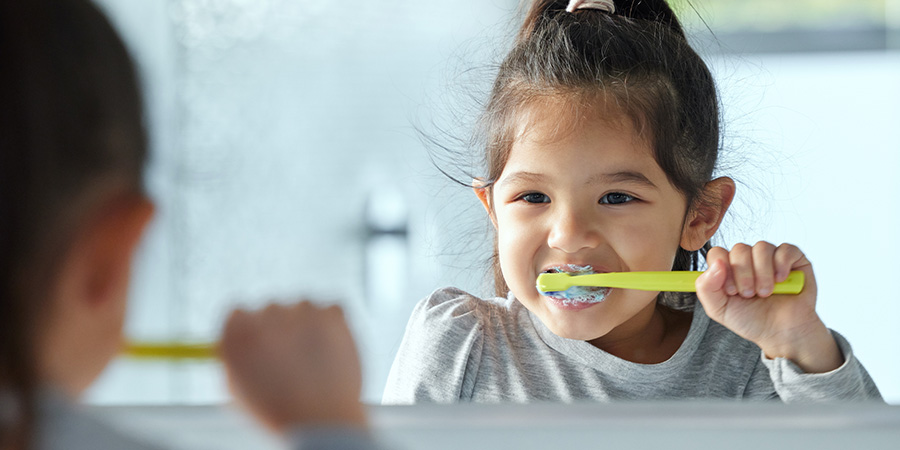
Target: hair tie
<point>602,5</point>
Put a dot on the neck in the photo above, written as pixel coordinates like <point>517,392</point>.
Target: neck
<point>650,337</point>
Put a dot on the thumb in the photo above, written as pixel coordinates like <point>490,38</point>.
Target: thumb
<point>711,289</point>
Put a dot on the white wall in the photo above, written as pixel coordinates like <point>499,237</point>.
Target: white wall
<point>821,137</point>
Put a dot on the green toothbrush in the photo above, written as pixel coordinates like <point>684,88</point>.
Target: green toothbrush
<point>674,281</point>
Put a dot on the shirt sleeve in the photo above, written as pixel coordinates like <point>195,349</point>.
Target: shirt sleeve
<point>440,349</point>
<point>326,438</point>
<point>850,381</point>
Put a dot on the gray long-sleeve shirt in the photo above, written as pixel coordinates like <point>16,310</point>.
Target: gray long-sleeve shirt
<point>458,347</point>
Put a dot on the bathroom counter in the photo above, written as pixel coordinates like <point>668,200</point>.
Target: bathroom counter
<point>550,426</point>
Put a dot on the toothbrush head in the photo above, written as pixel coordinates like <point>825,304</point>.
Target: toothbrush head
<point>549,283</point>
<point>561,287</point>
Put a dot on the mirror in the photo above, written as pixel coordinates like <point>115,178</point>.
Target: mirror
<point>287,162</point>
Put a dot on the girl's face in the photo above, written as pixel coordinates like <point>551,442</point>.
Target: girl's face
<point>590,195</point>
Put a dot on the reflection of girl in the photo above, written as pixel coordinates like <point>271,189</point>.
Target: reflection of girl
<point>602,136</point>
<point>72,211</point>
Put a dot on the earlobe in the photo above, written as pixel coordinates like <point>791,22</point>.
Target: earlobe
<point>484,195</point>
<point>705,216</point>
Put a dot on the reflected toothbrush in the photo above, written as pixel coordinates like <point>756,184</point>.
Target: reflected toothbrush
<point>170,350</point>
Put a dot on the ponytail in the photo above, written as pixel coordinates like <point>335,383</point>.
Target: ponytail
<point>657,11</point>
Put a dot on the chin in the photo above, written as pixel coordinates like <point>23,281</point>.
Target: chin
<point>576,333</point>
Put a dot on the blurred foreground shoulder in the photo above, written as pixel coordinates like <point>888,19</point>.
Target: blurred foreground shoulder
<point>441,347</point>
<point>335,437</point>
<point>64,425</point>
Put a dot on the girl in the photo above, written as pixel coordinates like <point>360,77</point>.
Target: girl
<point>72,211</point>
<point>601,140</point>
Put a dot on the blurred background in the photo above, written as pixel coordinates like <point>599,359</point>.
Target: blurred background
<point>288,162</point>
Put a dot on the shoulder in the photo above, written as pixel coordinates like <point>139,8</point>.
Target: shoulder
<point>449,320</point>
<point>734,362</point>
<point>725,349</point>
<point>452,316</point>
<point>441,348</point>
<point>448,303</point>
<point>457,308</point>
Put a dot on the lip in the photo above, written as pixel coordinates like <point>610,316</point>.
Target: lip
<point>575,298</point>
<point>568,305</point>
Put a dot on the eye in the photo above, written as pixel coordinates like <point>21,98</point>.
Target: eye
<point>535,197</point>
<point>616,198</point>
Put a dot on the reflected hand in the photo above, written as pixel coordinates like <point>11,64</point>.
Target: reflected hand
<point>736,291</point>
<point>294,365</point>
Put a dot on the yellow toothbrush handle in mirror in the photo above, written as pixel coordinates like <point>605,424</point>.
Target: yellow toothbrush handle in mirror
<point>674,281</point>
<point>170,350</point>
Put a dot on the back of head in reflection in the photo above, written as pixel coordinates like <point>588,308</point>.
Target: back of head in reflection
<point>72,213</point>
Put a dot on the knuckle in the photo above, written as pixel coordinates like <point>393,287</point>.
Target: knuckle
<point>788,249</point>
<point>235,318</point>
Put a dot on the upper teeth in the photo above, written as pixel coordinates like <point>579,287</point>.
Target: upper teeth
<point>571,268</point>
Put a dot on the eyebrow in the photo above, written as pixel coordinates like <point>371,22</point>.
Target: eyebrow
<point>623,176</point>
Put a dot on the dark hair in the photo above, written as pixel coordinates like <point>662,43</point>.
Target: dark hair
<point>637,57</point>
<point>70,123</point>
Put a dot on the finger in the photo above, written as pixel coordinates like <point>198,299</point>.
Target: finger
<point>236,343</point>
<point>787,257</point>
<point>721,255</point>
<point>763,268</point>
<point>273,310</point>
<point>235,326</point>
<point>335,310</point>
<point>741,259</point>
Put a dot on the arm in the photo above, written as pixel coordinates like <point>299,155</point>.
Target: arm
<point>797,348</point>
<point>849,381</point>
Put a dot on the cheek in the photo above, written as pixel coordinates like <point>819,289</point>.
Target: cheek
<point>649,245</point>
<point>513,231</point>
<point>518,241</point>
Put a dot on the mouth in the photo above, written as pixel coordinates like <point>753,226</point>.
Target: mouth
<point>576,296</point>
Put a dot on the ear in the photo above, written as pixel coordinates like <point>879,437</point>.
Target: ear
<point>706,214</point>
<point>484,195</point>
<point>83,328</point>
<point>99,263</point>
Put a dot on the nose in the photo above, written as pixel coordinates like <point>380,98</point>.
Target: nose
<point>572,230</point>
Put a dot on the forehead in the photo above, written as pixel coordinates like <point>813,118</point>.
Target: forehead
<point>559,128</point>
<point>553,117</point>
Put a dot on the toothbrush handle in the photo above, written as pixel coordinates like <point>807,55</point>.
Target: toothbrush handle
<point>683,281</point>
<point>170,350</point>
<point>792,285</point>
